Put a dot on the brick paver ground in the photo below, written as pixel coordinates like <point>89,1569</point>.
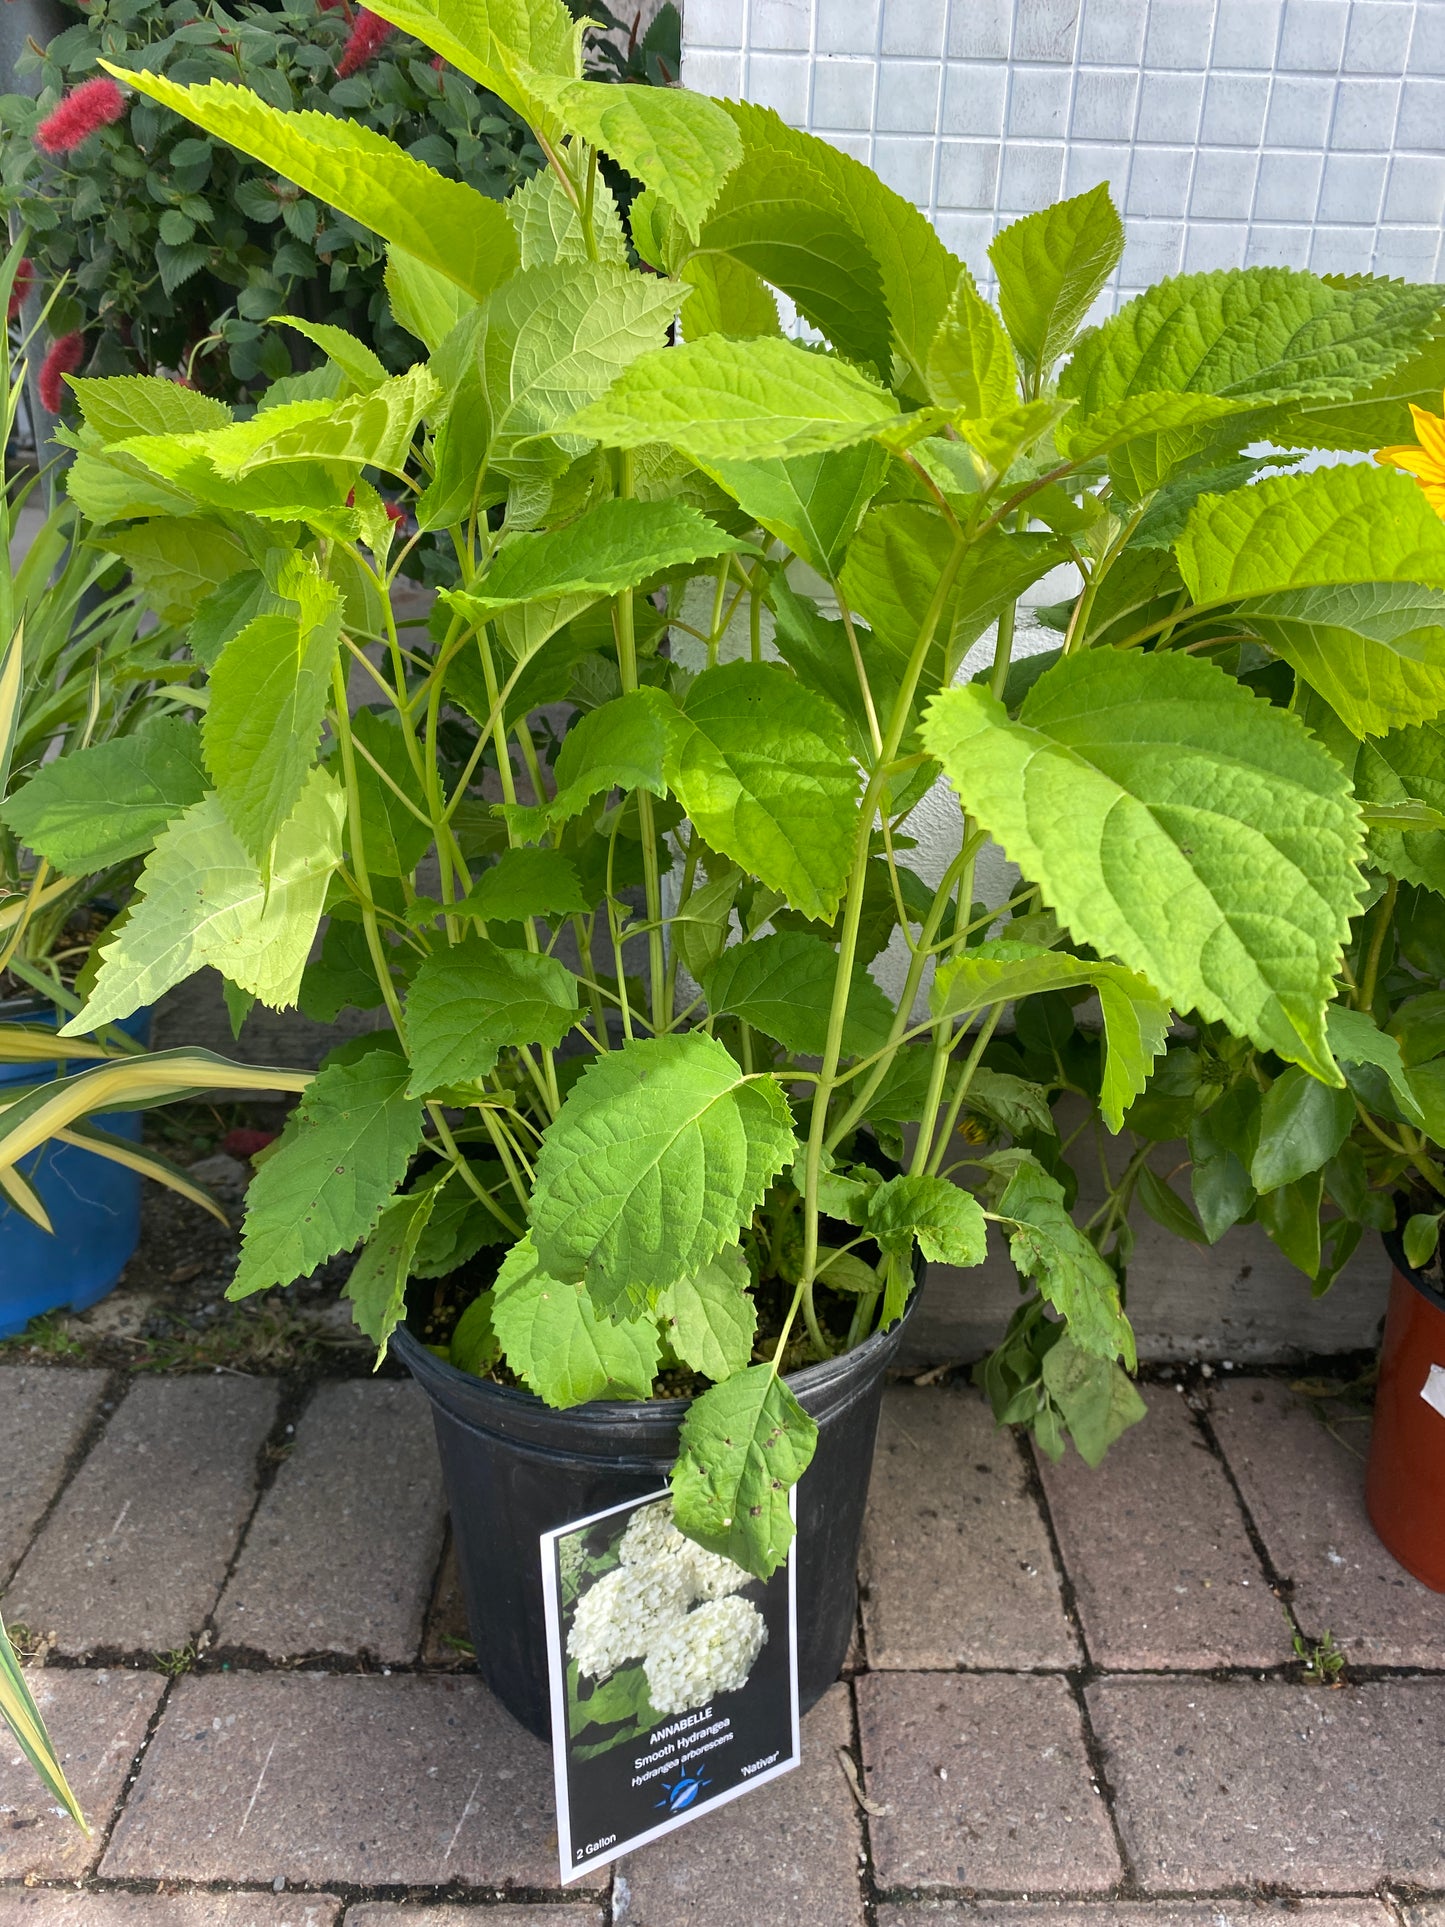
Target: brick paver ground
<point>1068,1708</point>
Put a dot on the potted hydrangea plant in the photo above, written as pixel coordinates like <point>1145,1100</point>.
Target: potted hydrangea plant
<point>644,1157</point>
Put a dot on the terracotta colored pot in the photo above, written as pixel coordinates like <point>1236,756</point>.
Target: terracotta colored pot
<point>1405,1482</point>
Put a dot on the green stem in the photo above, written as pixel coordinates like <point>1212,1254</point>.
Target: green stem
<point>341,722</point>
<point>626,632</point>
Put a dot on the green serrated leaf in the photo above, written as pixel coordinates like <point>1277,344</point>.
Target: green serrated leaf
<point>119,406</point>
<point>783,986</point>
<point>680,145</point>
<point>450,227</point>
<point>1406,766</point>
<point>204,901</point>
<point>1108,792</point>
<point>361,366</point>
<point>554,1337</point>
<point>94,807</point>
<point>525,883</point>
<point>710,1318</point>
<point>1257,333</point>
<point>719,400</point>
<point>474,1344</point>
<point>1345,525</point>
<point>1136,1018</point>
<point>177,561</point>
<point>470,1000</point>
<point>506,46</point>
<point>343,1153</point>
<point>1356,1039</point>
<point>1167,1208</point>
<point>1375,650</point>
<point>613,546</point>
<point>811,502</point>
<point>1047,1246</point>
<point>947,1222</point>
<point>377,1285</point>
<point>550,229</point>
<point>765,774</point>
<point>1098,1400</point>
<point>269,691</point>
<point>1050,266</point>
<point>1302,1123</point>
<point>744,1445</point>
<point>660,1154</point>
<point>622,745</point>
<point>971,370</point>
<point>424,301</point>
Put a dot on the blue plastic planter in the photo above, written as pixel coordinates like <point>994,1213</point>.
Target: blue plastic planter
<point>93,1204</point>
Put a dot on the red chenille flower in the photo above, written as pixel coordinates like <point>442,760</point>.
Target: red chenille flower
<point>63,358</point>
<point>84,111</point>
<point>369,35</point>
<point>22,284</point>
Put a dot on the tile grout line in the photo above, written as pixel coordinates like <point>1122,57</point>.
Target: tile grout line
<point>291,1401</point>
<point>1279,1584</point>
<point>116,1389</point>
<point>1080,1677</point>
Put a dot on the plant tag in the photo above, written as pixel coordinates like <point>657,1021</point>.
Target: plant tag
<point>674,1679</point>
<point>1433,1390</point>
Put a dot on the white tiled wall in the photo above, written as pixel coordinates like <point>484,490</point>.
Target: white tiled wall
<point>1233,132</point>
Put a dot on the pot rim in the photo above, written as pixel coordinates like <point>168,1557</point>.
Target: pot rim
<point>607,1411</point>
<point>1395,1250</point>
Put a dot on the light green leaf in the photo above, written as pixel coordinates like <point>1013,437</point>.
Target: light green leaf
<point>1167,1208</point>
<point>507,46</point>
<point>719,400</point>
<point>98,806</point>
<point>681,145</point>
<point>811,502</point>
<point>554,1337</point>
<point>177,561</point>
<point>1047,1246</point>
<point>344,1151</point>
<point>765,774</point>
<point>469,1000</point>
<point>396,838</point>
<point>1374,417</point>
<point>947,1222</point>
<point>1351,524</point>
<point>109,486</point>
<point>710,1318</point>
<point>372,430</point>
<point>460,1225</point>
<point>1050,266</point>
<point>1257,333</point>
<point>1177,823</point>
<point>474,1346</point>
<point>204,901</point>
<point>727,298</point>
<point>1148,438</point>
<point>971,368</point>
<point>611,547</point>
<point>1097,1398</point>
<point>919,274</point>
<point>744,1445</point>
<point>1374,650</point>
<point>1421,1238</point>
<point>269,691</point>
<point>525,883</point>
<point>552,340</point>
<point>118,406</point>
<point>893,569</point>
<point>660,1154</point>
<point>1136,1017</point>
<point>424,301</point>
<point>445,224</point>
<point>550,229</point>
<point>361,366</point>
<point>1406,766</point>
<point>622,745</point>
<point>783,986</point>
<point>1357,1040</point>
<point>377,1285</point>
<point>782,217</point>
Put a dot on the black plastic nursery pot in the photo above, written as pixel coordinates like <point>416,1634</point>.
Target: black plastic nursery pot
<point>515,1468</point>
<point>1405,1480</point>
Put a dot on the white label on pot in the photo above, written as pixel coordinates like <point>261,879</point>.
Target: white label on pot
<point>1433,1392</point>
<point>674,1679</point>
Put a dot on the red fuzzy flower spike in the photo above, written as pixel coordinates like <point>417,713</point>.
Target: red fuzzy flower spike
<point>20,287</point>
<point>84,111</point>
<point>63,358</point>
<point>369,35</point>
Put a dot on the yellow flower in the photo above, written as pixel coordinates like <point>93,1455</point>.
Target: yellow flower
<point>1424,460</point>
